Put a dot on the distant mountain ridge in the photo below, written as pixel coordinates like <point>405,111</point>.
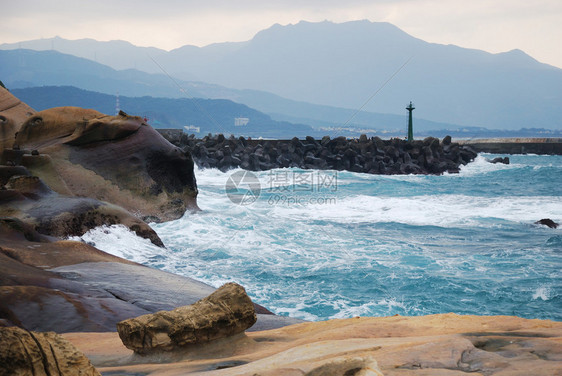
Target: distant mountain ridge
<point>208,115</point>
<point>28,68</point>
<point>342,65</point>
<point>217,116</point>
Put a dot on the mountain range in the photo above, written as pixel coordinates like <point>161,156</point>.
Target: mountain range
<point>23,68</point>
<point>200,116</point>
<point>309,71</point>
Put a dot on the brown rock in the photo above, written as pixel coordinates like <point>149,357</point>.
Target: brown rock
<point>348,366</point>
<point>13,113</point>
<point>36,354</point>
<point>434,345</point>
<point>225,312</point>
<point>29,199</point>
<point>38,299</point>
<point>117,159</point>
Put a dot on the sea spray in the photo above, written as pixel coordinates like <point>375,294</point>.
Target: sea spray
<point>409,245</point>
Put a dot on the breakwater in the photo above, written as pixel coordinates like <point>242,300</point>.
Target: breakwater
<point>541,146</point>
<point>368,155</point>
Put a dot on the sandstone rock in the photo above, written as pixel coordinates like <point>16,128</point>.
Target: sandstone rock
<point>38,299</point>
<point>15,229</point>
<point>29,199</point>
<point>13,113</point>
<point>117,159</point>
<point>36,354</point>
<point>348,367</point>
<point>433,345</point>
<point>225,312</point>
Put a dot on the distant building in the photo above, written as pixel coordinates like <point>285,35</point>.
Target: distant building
<point>192,128</point>
<point>241,121</point>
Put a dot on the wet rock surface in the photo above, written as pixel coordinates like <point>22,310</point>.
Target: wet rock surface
<point>368,155</point>
<point>547,222</point>
<point>503,160</point>
<point>66,286</point>
<point>24,352</point>
<point>224,313</point>
<point>29,199</point>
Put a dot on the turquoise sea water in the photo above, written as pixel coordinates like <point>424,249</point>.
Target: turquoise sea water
<point>320,244</point>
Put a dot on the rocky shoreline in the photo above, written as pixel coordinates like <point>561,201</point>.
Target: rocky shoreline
<point>367,155</point>
<point>67,170</point>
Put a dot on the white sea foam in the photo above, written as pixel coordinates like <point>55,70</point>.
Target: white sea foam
<point>445,210</point>
<point>119,241</point>
<point>428,210</point>
<point>298,259</point>
<point>543,293</point>
<point>481,166</point>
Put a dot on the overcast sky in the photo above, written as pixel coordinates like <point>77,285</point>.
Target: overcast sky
<point>491,25</point>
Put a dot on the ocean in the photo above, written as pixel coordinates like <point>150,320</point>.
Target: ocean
<point>318,245</point>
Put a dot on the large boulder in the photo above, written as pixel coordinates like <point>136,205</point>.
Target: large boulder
<point>118,159</point>
<point>32,353</point>
<point>226,312</point>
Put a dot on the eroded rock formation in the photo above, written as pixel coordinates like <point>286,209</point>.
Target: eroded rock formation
<point>13,113</point>
<point>118,159</point>
<point>444,344</point>
<point>29,199</point>
<point>348,366</point>
<point>226,312</point>
<point>40,354</point>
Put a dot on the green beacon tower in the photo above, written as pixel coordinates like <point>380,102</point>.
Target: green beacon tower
<point>410,108</point>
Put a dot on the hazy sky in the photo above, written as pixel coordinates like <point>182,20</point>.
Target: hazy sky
<point>492,25</point>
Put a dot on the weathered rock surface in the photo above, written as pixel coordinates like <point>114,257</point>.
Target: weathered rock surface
<point>29,199</point>
<point>40,354</point>
<point>368,155</point>
<point>117,159</point>
<point>52,176</point>
<point>13,113</point>
<point>348,366</point>
<point>226,312</point>
<point>433,345</point>
<point>67,286</point>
